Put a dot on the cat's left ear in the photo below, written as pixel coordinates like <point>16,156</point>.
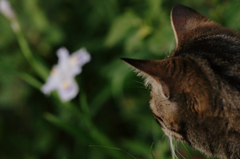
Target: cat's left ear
<point>185,19</point>
<point>158,70</point>
<point>149,67</point>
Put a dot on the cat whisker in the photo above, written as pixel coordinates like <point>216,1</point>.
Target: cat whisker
<point>180,153</point>
<point>172,148</point>
<point>186,149</point>
<point>138,87</point>
<point>163,137</point>
<point>177,144</point>
<point>139,82</point>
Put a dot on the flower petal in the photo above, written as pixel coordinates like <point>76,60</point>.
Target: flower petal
<point>6,10</point>
<point>75,70</point>
<point>68,89</point>
<point>53,81</point>
<point>63,56</point>
<point>50,85</point>
<point>80,57</point>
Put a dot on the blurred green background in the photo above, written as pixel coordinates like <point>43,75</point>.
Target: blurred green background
<point>112,106</point>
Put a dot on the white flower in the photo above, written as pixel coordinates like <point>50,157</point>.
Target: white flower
<point>6,9</point>
<point>62,75</point>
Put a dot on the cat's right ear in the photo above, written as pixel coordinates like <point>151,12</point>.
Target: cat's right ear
<point>184,19</point>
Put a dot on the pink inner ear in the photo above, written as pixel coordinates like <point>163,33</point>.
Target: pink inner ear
<point>165,88</point>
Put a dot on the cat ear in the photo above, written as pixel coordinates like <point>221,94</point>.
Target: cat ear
<point>154,69</point>
<point>184,19</point>
<point>146,66</point>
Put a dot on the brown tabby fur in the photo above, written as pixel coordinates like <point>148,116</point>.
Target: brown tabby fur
<point>195,93</point>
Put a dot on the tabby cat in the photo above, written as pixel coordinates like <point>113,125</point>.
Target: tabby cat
<point>195,93</point>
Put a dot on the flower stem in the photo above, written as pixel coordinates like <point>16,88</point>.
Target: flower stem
<point>39,68</point>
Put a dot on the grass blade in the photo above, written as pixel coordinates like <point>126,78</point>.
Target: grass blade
<point>151,150</point>
<point>30,80</point>
<point>114,148</point>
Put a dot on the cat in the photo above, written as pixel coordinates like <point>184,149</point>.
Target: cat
<point>195,93</point>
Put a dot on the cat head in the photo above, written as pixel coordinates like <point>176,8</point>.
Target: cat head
<point>181,92</point>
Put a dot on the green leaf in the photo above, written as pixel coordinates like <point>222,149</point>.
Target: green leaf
<point>74,130</point>
<point>100,99</point>
<point>120,28</point>
<point>30,80</point>
<point>84,105</point>
<point>137,147</point>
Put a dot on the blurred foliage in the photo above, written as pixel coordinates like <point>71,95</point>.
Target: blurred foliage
<point>112,107</point>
